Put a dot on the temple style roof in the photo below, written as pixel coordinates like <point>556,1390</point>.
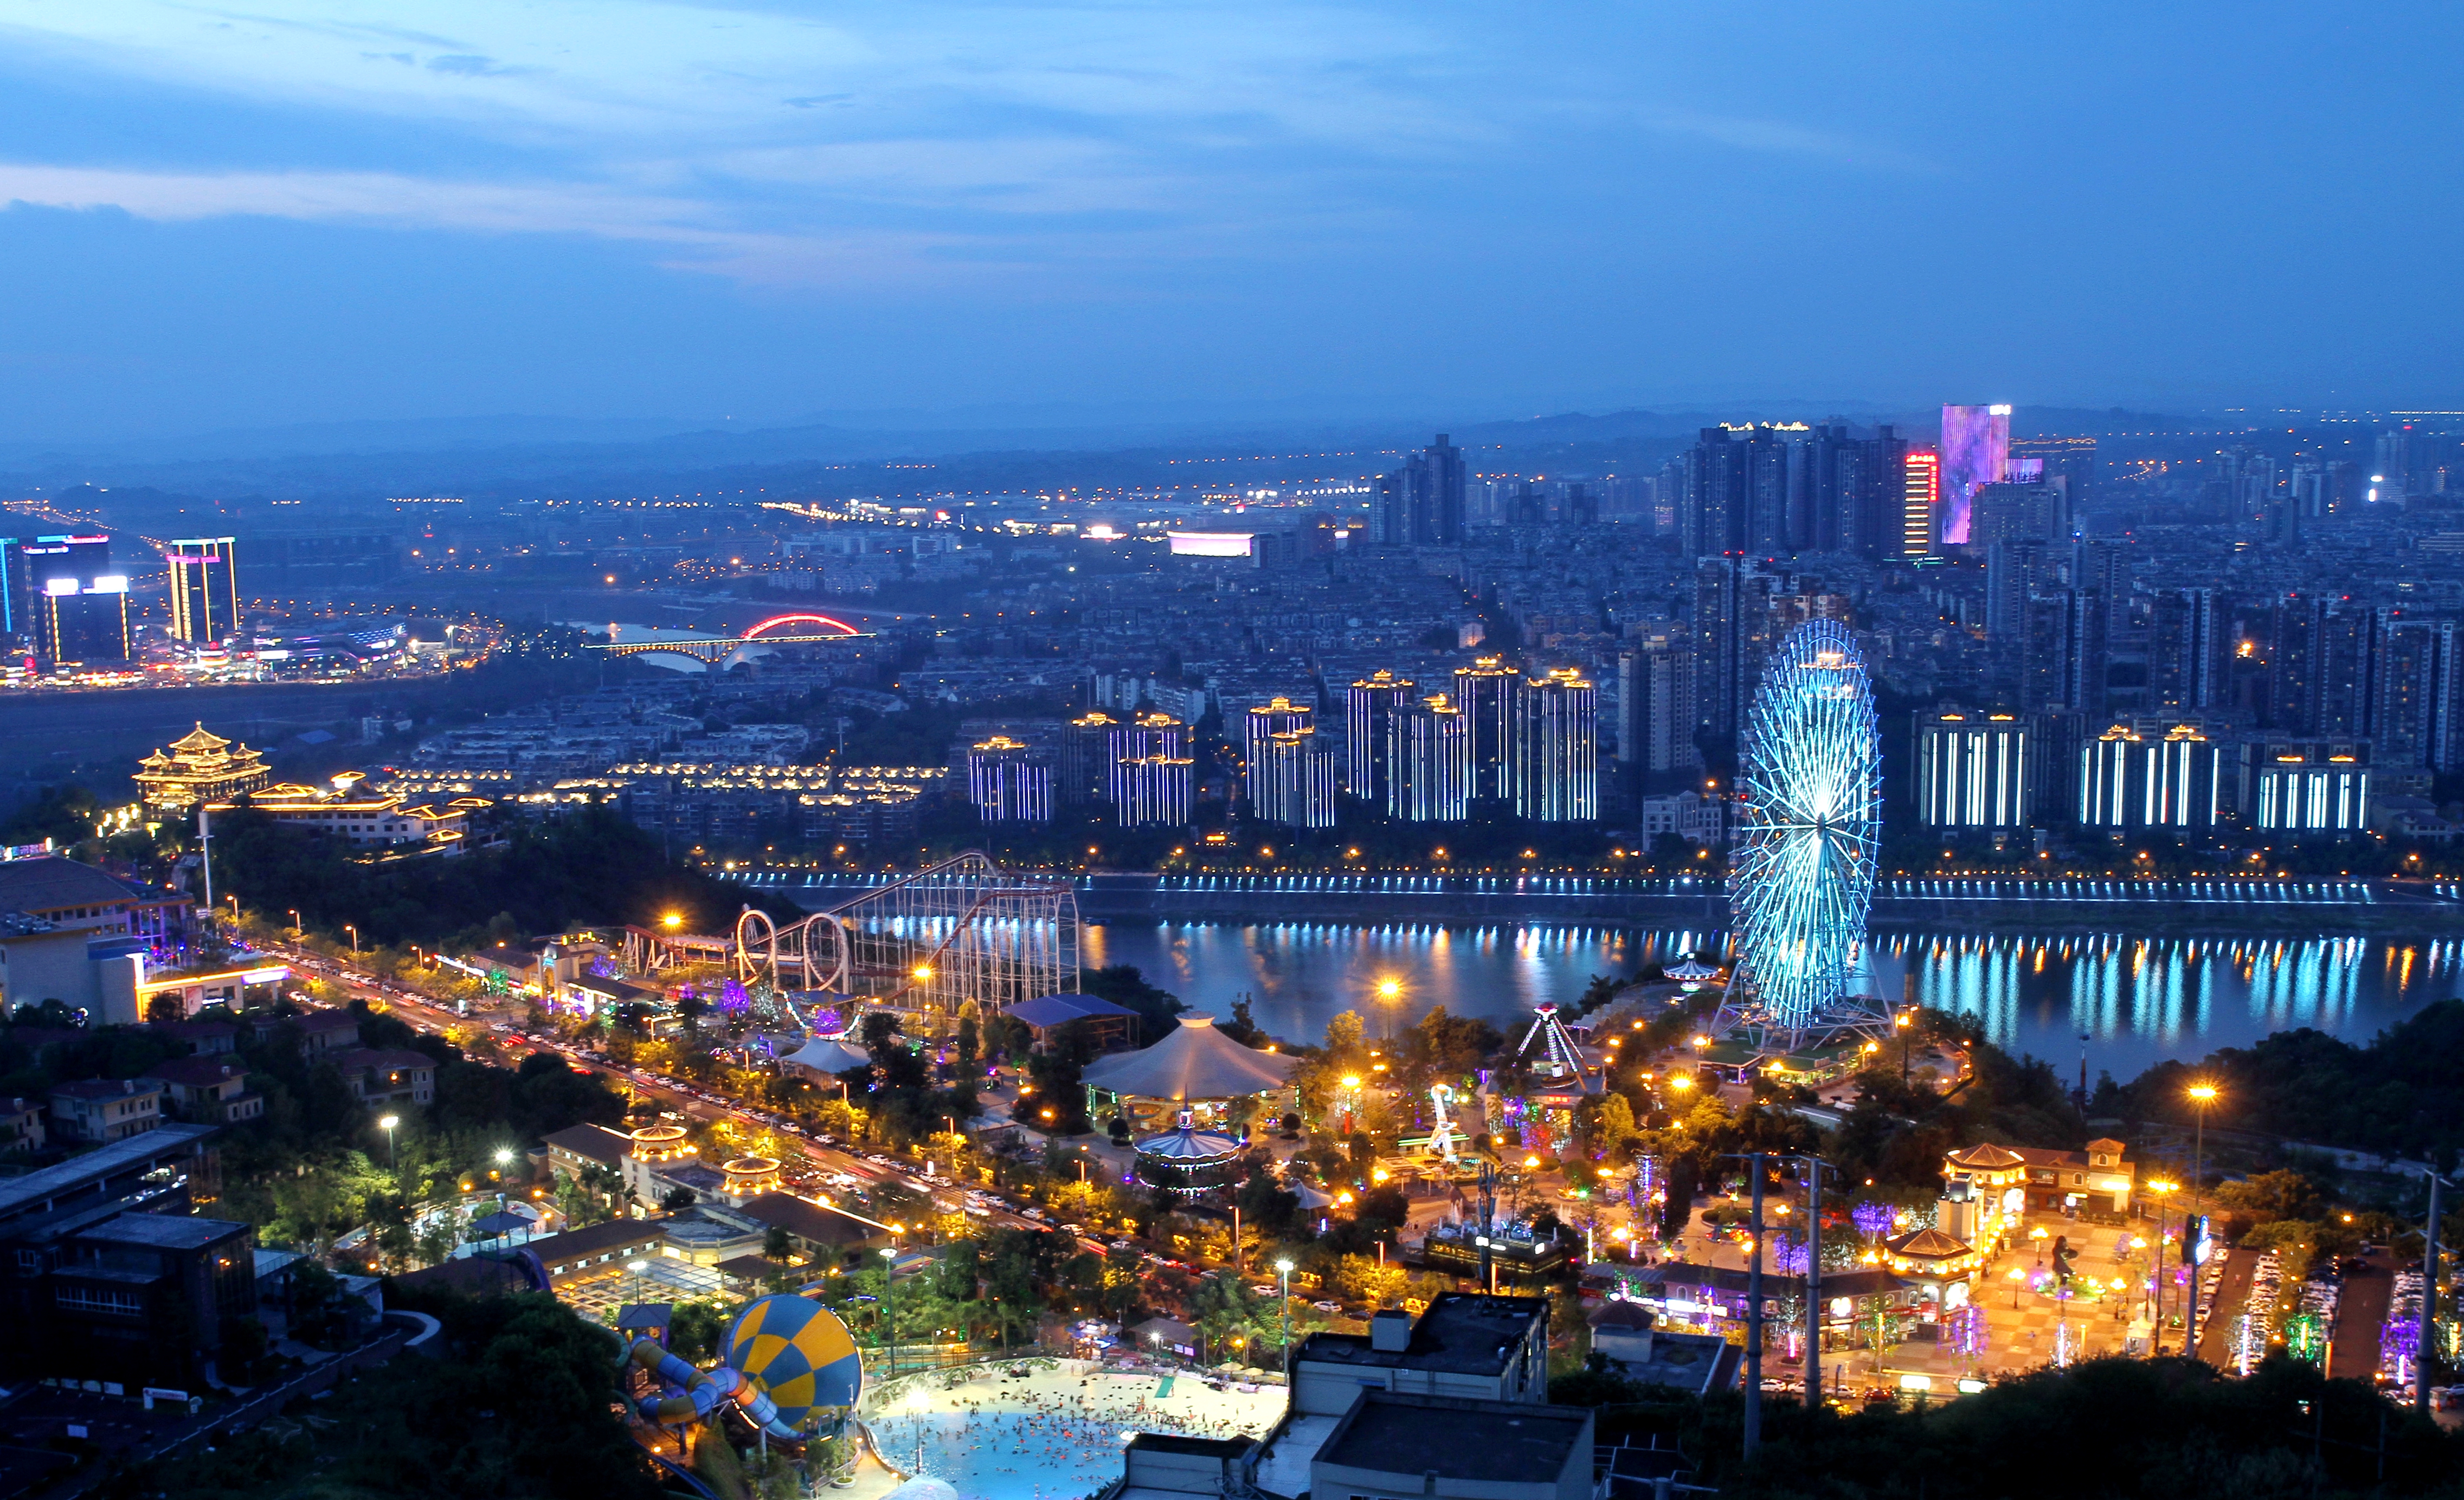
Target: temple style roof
<point>1195,1062</point>
<point>199,740</point>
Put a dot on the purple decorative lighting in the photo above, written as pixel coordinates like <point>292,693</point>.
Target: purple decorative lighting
<point>732,997</point>
<point>1976,451</point>
<point>1872,1220</point>
<point>1790,1257</point>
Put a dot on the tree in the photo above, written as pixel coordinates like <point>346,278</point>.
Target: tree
<point>676,1199</point>
<point>778,1244</point>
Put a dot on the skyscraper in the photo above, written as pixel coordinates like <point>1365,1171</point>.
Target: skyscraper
<point>1369,708</point>
<point>64,596</point>
<point>1975,451</point>
<point>1153,791</point>
<point>1490,697</point>
<point>1732,634</point>
<point>1855,488</point>
<point>1009,782</point>
<point>1292,779</point>
<point>2189,652</point>
<point>2150,775</point>
<point>1422,503</point>
<point>1560,755</point>
<point>2417,689</point>
<point>205,589</point>
<point>1087,758</point>
<point>1149,736</point>
<point>1263,721</point>
<point>1920,500</point>
<point>1656,713</point>
<point>1973,770</point>
<point>1428,771</point>
<point>2325,648</point>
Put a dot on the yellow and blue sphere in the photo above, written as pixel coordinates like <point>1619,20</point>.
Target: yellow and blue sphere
<point>798,1353</point>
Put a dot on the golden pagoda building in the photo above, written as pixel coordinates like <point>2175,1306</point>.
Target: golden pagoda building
<point>200,767</point>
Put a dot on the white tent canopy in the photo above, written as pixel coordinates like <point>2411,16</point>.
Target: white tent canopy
<point>830,1055</point>
<point>1195,1062</point>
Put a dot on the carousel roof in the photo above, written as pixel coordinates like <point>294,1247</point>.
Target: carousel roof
<point>1930,1245</point>
<point>1195,1062</point>
<point>1691,970</point>
<point>1189,1146</point>
<point>1988,1157</point>
<point>829,1054</point>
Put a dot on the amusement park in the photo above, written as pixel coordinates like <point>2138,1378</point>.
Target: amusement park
<point>905,1196</point>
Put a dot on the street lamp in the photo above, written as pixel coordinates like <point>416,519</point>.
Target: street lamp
<point>294,921</point>
<point>889,1308</point>
<point>2156,1276</point>
<point>2202,1094</point>
<point>354,938</point>
<point>1284,1309</point>
<point>637,1268</point>
<point>386,1125</point>
<point>1904,1020</point>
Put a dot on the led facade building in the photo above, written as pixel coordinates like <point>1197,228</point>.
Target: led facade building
<point>64,596</point>
<point>1429,763</point>
<point>1973,770</point>
<point>1920,500</point>
<point>1975,451</point>
<point>1277,716</point>
<point>1086,758</point>
<point>205,589</point>
<point>1559,749</point>
<point>1153,791</point>
<point>1490,696</point>
<point>1368,710</point>
<point>2314,787</point>
<point>1009,782</point>
<point>1292,779</point>
<point>1149,737</point>
<point>2144,776</point>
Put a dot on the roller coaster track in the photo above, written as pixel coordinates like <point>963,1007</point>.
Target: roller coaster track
<point>961,930</point>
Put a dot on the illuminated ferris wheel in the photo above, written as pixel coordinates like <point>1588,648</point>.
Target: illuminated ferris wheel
<point>1802,865</point>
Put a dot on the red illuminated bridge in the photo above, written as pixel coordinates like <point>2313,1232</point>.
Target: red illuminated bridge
<point>780,629</point>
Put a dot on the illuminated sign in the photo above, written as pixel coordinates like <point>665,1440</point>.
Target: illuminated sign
<point>60,588</point>
<point>1211,544</point>
<point>109,584</point>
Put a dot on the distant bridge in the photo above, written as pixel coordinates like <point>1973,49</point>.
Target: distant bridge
<point>780,629</point>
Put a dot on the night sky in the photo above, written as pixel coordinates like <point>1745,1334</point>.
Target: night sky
<point>298,212</point>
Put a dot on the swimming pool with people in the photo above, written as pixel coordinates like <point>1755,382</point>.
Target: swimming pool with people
<point>1051,1433</point>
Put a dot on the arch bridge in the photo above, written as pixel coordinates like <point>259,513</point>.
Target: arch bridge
<point>780,629</point>
<point>964,929</point>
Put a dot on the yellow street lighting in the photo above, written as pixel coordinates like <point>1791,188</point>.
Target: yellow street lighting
<point>1389,988</point>
<point>2202,1092</point>
<point>923,971</point>
<point>1530,1162</point>
<point>1351,1081</point>
<point>672,920</point>
<point>1681,1083</point>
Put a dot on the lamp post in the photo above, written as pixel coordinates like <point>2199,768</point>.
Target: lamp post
<point>2156,1276</point>
<point>1903,1021</point>
<point>354,938</point>
<point>295,922</point>
<point>637,1268</point>
<point>2202,1094</point>
<point>392,1162</point>
<point>1283,1308</point>
<point>889,1308</point>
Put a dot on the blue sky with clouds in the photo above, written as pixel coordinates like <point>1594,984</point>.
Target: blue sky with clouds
<point>295,210</point>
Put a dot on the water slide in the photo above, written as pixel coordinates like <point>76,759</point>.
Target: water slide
<point>698,1395</point>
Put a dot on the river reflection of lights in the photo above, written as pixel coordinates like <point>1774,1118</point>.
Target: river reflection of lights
<point>2143,999</point>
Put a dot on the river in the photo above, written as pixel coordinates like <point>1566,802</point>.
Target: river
<point>2138,1001</point>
